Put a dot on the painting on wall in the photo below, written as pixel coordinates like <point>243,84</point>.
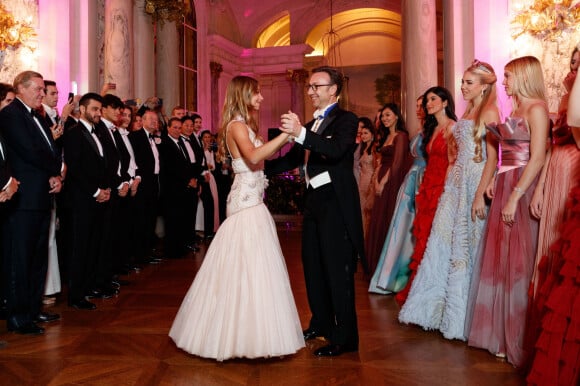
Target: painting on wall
<point>371,86</point>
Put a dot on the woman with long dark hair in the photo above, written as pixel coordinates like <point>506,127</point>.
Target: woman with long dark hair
<point>440,108</point>
<point>392,150</point>
<point>392,270</point>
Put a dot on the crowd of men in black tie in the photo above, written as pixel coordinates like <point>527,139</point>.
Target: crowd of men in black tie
<point>109,187</point>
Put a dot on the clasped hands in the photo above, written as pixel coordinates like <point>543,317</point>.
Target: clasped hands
<point>290,124</point>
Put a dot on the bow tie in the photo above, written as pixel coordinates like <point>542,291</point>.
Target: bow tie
<point>151,136</point>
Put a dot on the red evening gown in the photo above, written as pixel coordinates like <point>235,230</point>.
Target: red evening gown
<point>426,205</point>
<point>562,177</point>
<point>396,160</point>
<point>557,356</point>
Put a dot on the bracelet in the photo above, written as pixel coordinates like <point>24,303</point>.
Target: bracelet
<point>518,190</point>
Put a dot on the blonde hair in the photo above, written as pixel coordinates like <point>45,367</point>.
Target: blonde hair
<point>486,75</point>
<point>528,78</point>
<point>237,103</point>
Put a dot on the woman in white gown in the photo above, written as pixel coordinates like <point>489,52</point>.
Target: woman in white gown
<point>240,303</point>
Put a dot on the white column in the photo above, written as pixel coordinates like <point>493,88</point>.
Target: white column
<point>167,59</point>
<point>419,62</point>
<point>143,56</point>
<point>119,47</point>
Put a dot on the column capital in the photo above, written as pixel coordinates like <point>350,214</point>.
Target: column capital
<point>299,75</point>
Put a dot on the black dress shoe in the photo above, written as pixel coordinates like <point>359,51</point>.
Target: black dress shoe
<point>333,350</point>
<point>311,334</point>
<point>45,317</point>
<point>28,329</point>
<point>192,247</point>
<point>82,304</point>
<point>98,294</point>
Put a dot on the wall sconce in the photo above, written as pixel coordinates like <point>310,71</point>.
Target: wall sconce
<point>546,19</point>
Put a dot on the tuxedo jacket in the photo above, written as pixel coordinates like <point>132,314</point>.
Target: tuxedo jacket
<point>32,160</point>
<point>199,156</point>
<point>331,151</point>
<point>175,172</point>
<point>112,157</point>
<point>86,168</point>
<point>145,161</point>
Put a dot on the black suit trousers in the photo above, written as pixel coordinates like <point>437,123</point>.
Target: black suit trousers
<point>208,210</point>
<point>329,258</point>
<point>25,247</point>
<point>86,226</point>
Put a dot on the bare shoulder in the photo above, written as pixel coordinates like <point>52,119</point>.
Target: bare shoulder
<point>490,114</point>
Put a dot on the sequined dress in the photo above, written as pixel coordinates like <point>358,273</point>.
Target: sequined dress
<point>240,303</point>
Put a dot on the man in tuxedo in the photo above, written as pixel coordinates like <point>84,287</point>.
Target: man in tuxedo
<point>196,170</point>
<point>332,235</point>
<point>144,143</point>
<point>36,163</point>
<point>203,177</point>
<point>118,180</point>
<point>177,190</point>
<point>87,193</point>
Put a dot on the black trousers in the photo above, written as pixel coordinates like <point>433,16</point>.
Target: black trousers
<point>208,215</point>
<point>25,261</point>
<point>329,260</point>
<point>86,237</point>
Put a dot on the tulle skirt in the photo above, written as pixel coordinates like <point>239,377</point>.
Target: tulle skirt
<point>240,303</point>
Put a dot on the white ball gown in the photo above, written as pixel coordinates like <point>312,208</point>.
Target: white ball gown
<point>240,304</point>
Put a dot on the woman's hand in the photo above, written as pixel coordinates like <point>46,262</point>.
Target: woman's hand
<point>508,212</point>
<point>490,190</point>
<point>537,202</point>
<point>478,207</point>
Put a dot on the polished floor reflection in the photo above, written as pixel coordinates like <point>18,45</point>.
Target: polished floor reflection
<point>125,342</point>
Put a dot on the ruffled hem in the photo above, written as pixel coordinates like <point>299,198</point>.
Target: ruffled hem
<point>556,359</point>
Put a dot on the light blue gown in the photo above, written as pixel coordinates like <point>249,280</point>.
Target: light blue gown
<point>392,270</point>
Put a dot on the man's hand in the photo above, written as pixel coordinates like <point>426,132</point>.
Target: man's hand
<point>192,183</point>
<point>290,124</point>
<point>124,189</point>
<point>135,186</point>
<point>103,195</point>
<point>9,191</point>
<point>55,184</point>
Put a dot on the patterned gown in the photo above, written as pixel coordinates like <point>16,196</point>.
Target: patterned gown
<point>439,293</point>
<point>240,304</point>
<point>392,272</point>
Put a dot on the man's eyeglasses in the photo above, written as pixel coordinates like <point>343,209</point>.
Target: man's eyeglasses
<point>314,87</point>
